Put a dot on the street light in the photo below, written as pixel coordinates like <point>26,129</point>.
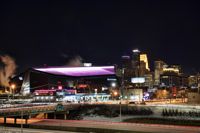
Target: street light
<point>113,84</point>
<point>13,88</point>
<point>115,93</point>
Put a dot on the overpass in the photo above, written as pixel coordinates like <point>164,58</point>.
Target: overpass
<point>25,112</point>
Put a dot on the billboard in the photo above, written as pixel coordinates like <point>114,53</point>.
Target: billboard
<point>138,80</point>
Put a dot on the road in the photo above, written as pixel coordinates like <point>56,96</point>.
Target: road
<point>152,128</point>
<point>26,130</point>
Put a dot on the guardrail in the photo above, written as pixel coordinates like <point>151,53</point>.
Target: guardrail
<point>26,110</point>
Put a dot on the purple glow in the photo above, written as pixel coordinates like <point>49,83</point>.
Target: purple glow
<point>79,71</point>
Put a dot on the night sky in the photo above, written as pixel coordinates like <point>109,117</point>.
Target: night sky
<point>37,32</point>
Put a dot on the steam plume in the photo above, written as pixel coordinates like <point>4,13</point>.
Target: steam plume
<point>7,70</point>
<point>75,61</point>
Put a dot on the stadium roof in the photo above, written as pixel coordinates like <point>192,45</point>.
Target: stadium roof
<point>79,71</point>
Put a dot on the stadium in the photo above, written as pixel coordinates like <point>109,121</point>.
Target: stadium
<point>72,84</point>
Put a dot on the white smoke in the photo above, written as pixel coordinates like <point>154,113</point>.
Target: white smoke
<point>75,61</point>
<point>7,71</point>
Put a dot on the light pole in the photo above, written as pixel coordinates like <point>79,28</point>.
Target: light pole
<point>120,92</point>
<point>120,108</point>
<point>13,89</point>
<point>113,85</point>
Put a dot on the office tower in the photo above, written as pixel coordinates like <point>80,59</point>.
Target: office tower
<point>148,80</point>
<point>126,62</point>
<point>158,70</point>
<point>144,65</point>
<point>136,62</point>
<point>172,76</point>
<point>128,71</point>
<point>143,58</point>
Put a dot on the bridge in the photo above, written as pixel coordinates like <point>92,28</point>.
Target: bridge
<point>25,112</point>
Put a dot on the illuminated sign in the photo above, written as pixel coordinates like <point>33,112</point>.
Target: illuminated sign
<point>39,92</point>
<point>87,64</point>
<point>60,93</point>
<point>59,108</point>
<point>82,86</point>
<point>111,79</point>
<point>138,80</point>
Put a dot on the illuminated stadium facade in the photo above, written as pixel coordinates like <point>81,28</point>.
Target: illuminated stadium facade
<point>67,83</point>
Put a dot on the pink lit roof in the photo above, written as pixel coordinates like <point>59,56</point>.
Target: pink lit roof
<point>79,71</point>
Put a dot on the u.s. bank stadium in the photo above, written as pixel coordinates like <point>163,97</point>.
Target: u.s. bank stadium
<point>95,83</point>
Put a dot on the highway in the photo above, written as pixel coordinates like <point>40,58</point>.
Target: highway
<point>151,128</point>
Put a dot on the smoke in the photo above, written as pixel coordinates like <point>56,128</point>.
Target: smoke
<point>7,69</point>
<point>75,61</point>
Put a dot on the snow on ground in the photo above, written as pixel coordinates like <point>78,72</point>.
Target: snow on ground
<point>117,119</point>
<point>102,118</point>
<point>124,117</point>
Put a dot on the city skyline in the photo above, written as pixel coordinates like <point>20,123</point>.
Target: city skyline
<point>99,66</point>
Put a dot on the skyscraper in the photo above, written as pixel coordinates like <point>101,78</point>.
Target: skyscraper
<point>136,62</point>
<point>143,58</point>
<point>126,61</point>
<point>158,66</point>
<point>144,65</point>
<point>127,67</point>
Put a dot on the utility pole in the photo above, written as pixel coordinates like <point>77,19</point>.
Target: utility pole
<point>121,89</point>
<point>120,109</point>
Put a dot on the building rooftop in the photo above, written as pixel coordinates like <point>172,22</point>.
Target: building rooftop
<point>79,71</point>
